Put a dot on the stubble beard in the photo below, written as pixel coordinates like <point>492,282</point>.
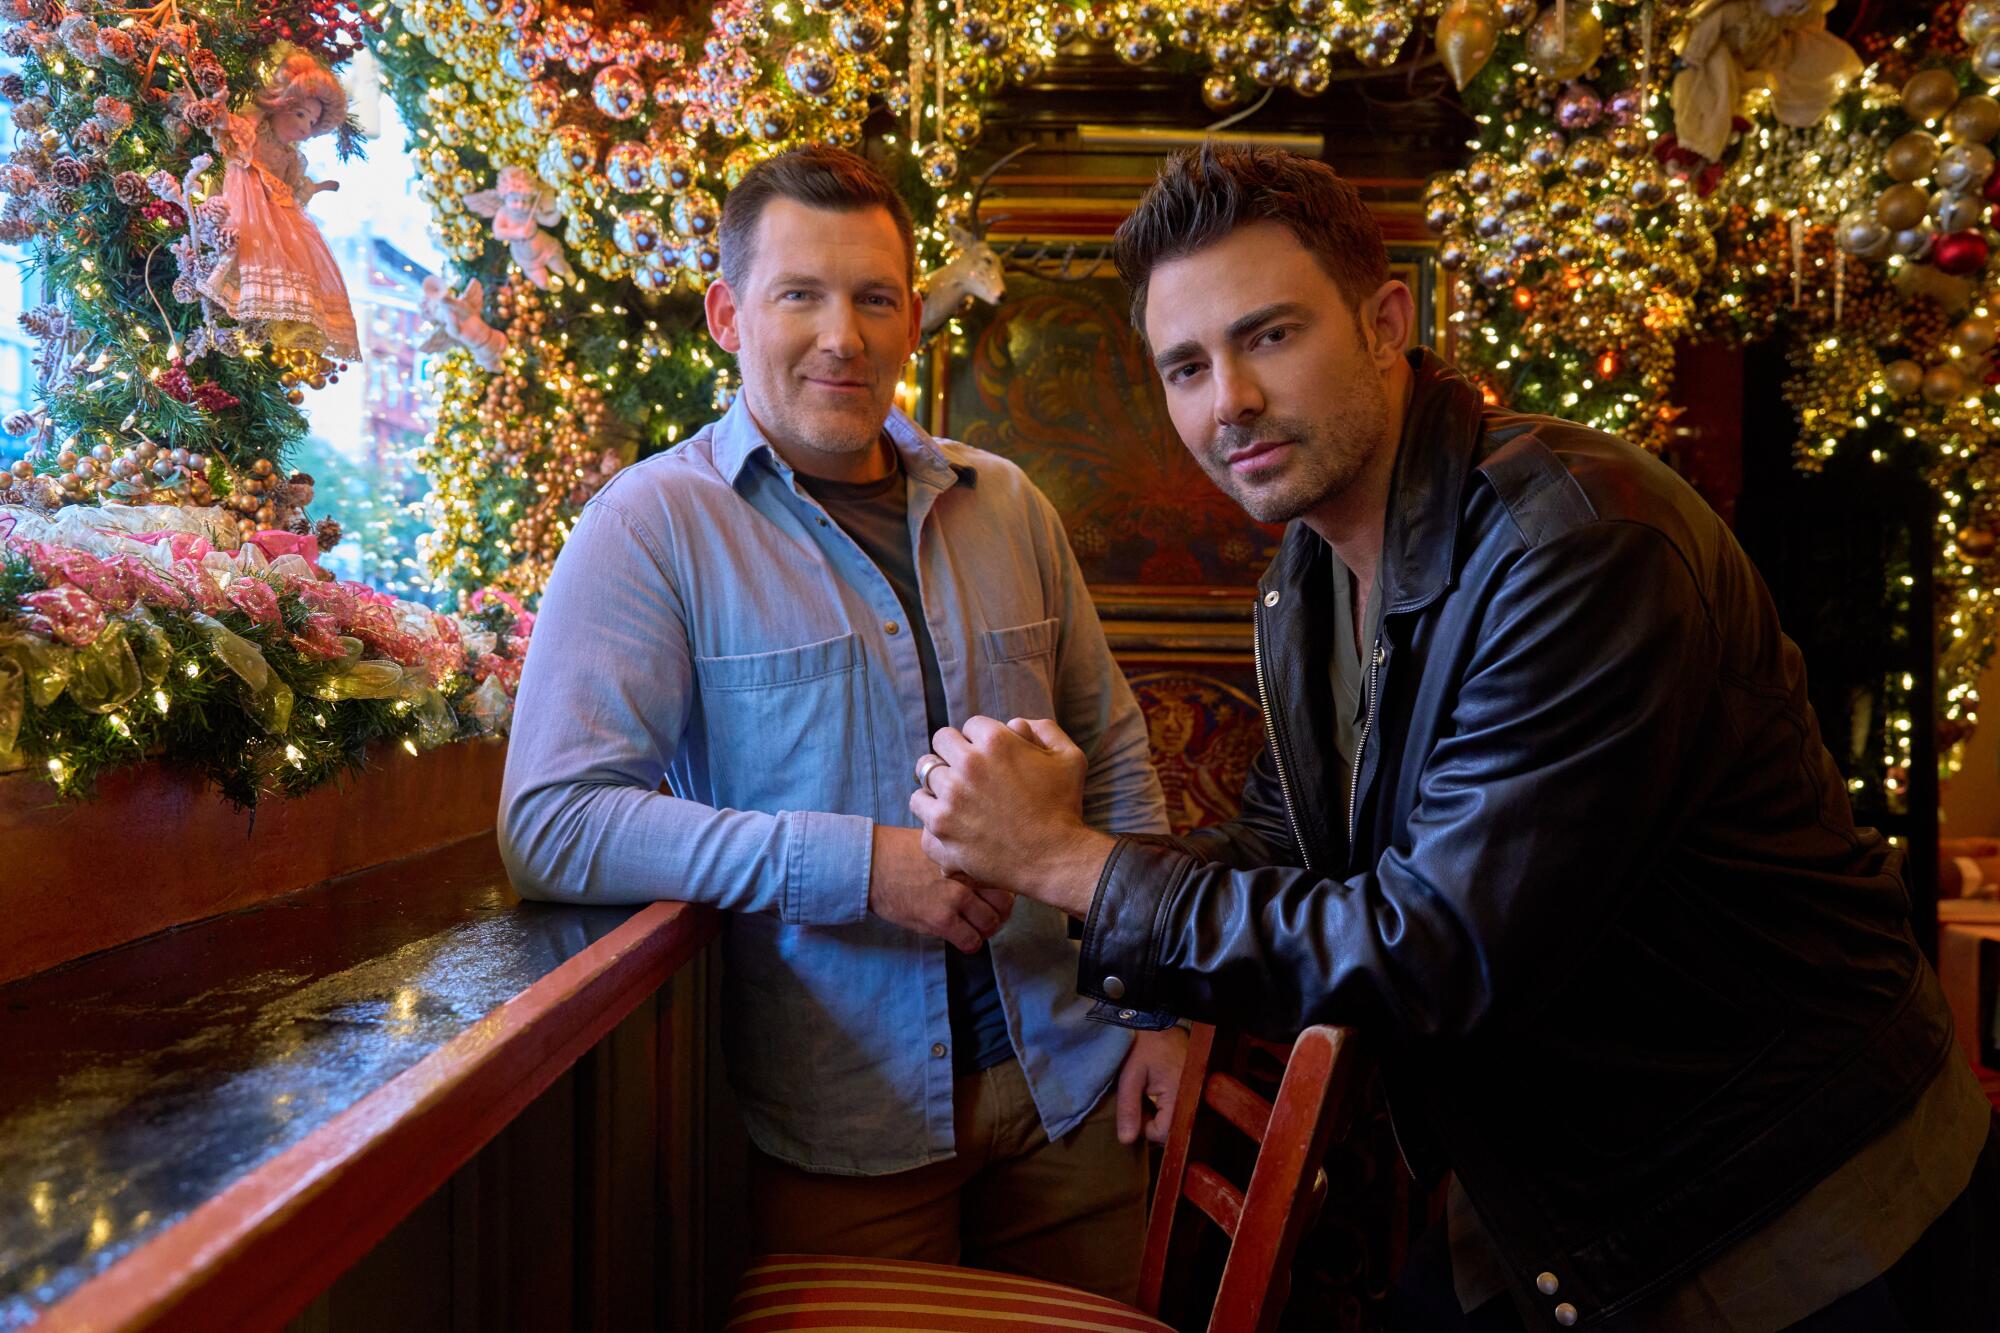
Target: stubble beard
<point>1328,455</point>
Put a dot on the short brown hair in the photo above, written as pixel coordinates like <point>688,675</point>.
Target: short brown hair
<point>818,177</point>
<point>1203,194</point>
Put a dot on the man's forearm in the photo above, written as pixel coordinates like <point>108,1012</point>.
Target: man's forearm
<point>1066,877</point>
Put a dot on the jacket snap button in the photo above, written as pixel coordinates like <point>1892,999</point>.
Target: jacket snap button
<point>1270,599</point>
<point>937,1050</point>
<point>1565,1314</point>
<point>1114,989</point>
<point>1546,1284</point>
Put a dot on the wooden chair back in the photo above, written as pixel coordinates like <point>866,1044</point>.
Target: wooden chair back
<point>1265,1219</point>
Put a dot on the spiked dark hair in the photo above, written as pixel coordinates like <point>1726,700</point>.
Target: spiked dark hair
<point>1204,194</point>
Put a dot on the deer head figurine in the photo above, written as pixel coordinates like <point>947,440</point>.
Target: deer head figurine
<point>973,270</point>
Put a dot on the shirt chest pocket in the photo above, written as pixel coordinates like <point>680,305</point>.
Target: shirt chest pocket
<point>789,729</point>
<point>1019,665</point>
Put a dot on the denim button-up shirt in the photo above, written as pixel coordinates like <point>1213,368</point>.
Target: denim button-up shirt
<point>708,623</point>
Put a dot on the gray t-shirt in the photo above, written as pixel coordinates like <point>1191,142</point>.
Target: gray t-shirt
<point>877,515</point>
<point>1348,672</point>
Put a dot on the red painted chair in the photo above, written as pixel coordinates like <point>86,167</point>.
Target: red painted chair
<point>1217,1111</point>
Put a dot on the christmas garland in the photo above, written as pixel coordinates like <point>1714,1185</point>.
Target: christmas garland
<point>143,632</point>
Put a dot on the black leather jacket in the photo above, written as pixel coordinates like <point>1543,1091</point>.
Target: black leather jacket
<point>1598,898</point>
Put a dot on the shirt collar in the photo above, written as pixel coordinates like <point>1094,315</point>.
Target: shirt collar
<point>736,439</point>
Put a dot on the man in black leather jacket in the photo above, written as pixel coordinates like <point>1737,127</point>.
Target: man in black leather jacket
<point>1593,890</point>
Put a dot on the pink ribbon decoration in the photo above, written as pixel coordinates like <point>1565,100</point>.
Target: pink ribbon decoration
<point>67,614</point>
<point>255,599</point>
<point>274,542</point>
<point>180,545</point>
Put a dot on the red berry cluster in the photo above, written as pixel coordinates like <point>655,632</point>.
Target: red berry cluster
<point>332,29</point>
<point>162,210</point>
<point>210,397</point>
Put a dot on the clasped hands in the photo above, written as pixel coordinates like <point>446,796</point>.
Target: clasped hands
<point>1002,806</point>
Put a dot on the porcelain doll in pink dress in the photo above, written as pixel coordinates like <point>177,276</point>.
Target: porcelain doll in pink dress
<point>281,283</point>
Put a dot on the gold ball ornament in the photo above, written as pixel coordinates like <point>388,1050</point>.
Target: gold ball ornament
<point>939,166</point>
<point>629,167</point>
<point>859,31</point>
<point>810,70</point>
<point>1483,172</point>
<point>1973,119</point>
<point>1312,77</point>
<point>1929,94</point>
<point>618,91</point>
<point>1964,166</point>
<point>766,119</point>
<point>1912,156</point>
<point>696,213</point>
<point>962,126</point>
<point>674,168</point>
<point>1943,384</point>
<point>1953,211</point>
<point>1901,206</point>
<point>1565,49</point>
<point>1565,202</point>
<point>1590,159</point>
<point>570,155</point>
<point>1220,92</point>
<point>1978,334</point>
<point>637,232</point>
<point>1862,234</point>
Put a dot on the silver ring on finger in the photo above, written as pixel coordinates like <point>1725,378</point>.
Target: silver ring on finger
<point>926,766</point>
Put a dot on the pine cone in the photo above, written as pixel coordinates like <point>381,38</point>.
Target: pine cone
<point>208,72</point>
<point>15,42</point>
<point>31,114</point>
<point>13,87</point>
<point>184,290</point>
<point>69,172</point>
<point>117,45</point>
<point>18,180</point>
<point>89,136</point>
<point>18,423</point>
<point>59,201</point>
<point>327,533</point>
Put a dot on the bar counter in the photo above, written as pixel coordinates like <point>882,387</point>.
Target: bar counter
<point>209,1124</point>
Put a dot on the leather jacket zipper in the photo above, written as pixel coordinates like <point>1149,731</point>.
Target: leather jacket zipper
<point>1361,745</point>
<point>1271,730</point>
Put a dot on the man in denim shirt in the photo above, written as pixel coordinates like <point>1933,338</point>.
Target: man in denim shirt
<point>775,617</point>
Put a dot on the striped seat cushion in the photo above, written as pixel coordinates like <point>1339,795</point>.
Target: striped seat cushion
<point>828,1291</point>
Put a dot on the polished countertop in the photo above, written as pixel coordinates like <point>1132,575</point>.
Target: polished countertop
<point>137,1083</point>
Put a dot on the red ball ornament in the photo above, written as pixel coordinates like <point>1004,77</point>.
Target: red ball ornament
<point>1960,253</point>
<point>1992,188</point>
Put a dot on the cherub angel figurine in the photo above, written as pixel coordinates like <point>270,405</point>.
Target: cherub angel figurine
<point>520,206</point>
<point>281,283</point>
<point>458,321</point>
<point>1734,45</point>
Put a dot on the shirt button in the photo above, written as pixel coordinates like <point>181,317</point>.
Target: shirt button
<point>937,1050</point>
<point>890,627</point>
<point>1270,599</point>
<point>1547,1284</point>
<point>1565,1314</point>
<point>1114,989</point>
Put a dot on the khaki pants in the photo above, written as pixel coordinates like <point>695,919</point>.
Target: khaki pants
<point>1073,1211</point>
